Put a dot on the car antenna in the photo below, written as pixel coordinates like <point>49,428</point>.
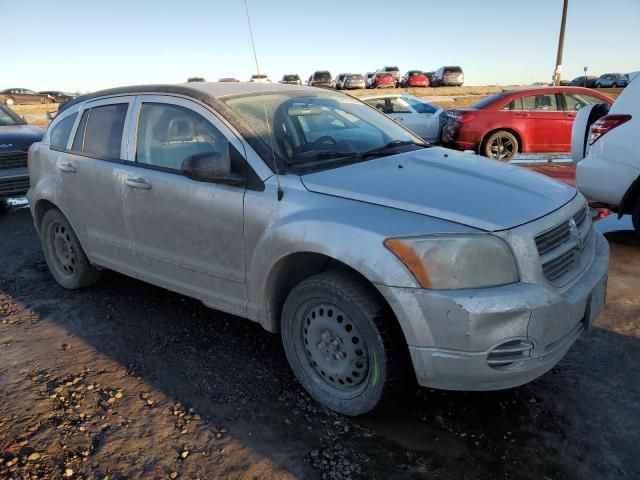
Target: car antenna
<point>264,104</point>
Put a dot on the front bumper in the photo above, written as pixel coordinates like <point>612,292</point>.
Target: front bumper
<point>453,335</point>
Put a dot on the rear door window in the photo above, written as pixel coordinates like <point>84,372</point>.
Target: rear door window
<point>59,136</point>
<point>100,131</point>
<point>541,102</point>
<point>575,101</point>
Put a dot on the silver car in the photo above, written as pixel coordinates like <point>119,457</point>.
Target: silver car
<point>376,256</point>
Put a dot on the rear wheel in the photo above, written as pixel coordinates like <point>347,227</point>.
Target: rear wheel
<point>502,146</point>
<point>10,101</point>
<point>342,343</point>
<point>615,85</point>
<point>65,257</point>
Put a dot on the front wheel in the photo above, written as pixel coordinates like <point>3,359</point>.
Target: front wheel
<point>615,85</point>
<point>635,216</point>
<point>10,101</point>
<point>343,345</point>
<point>65,257</point>
<point>502,146</point>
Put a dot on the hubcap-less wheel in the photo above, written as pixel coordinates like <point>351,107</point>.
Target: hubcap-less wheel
<point>65,254</point>
<point>335,347</point>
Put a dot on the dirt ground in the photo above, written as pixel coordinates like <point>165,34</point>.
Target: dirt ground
<point>127,380</point>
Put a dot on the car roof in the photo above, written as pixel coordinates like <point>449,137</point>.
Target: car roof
<point>198,90</point>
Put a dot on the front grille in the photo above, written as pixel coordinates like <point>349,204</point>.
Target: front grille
<point>561,247</point>
<point>13,186</point>
<point>509,353</point>
<point>17,160</point>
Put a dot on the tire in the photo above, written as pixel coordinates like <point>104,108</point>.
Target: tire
<point>502,146</point>
<point>635,216</point>
<point>615,85</point>
<point>343,344</point>
<point>598,85</point>
<point>10,101</point>
<point>65,257</point>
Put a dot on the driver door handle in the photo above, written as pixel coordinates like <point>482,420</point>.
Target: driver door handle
<point>571,115</point>
<point>521,114</point>
<point>138,182</point>
<point>67,167</point>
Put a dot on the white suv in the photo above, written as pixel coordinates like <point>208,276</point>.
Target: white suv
<point>607,151</point>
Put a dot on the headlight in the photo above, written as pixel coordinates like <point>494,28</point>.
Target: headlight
<point>455,261</point>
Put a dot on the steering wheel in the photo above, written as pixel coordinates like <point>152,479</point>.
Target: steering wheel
<point>321,140</point>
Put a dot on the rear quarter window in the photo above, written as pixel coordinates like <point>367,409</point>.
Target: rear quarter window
<point>59,136</point>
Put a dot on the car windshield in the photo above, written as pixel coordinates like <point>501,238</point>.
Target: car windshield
<point>453,69</point>
<point>418,105</point>
<point>291,78</point>
<point>323,77</point>
<point>315,131</point>
<point>7,117</point>
<point>488,100</point>
<point>355,77</point>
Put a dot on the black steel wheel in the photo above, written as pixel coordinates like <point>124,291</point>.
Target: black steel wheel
<point>65,257</point>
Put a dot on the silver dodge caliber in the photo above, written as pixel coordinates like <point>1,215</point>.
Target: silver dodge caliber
<point>376,256</point>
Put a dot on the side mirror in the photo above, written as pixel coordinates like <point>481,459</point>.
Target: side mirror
<point>210,167</point>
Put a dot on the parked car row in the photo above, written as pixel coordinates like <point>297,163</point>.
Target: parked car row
<point>24,96</point>
<point>607,80</point>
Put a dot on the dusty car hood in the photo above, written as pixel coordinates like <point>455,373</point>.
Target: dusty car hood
<point>446,184</point>
<point>18,137</point>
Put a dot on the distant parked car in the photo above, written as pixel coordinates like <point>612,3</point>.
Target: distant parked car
<point>353,81</point>
<point>395,73</point>
<point>430,76</point>
<point>448,77</point>
<point>228,80</point>
<point>260,78</point>
<point>534,120</point>
<point>15,139</point>
<point>320,78</point>
<point>414,78</point>
<point>587,82</point>
<point>337,82</point>
<point>383,80</point>
<point>59,97</point>
<point>606,147</point>
<point>420,117</point>
<point>291,79</point>
<point>612,80</point>
<point>13,96</point>
<point>369,79</point>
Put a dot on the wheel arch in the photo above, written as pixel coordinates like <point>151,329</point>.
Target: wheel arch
<point>630,197</point>
<point>512,131</point>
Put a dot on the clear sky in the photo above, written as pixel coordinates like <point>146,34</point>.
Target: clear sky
<point>83,45</point>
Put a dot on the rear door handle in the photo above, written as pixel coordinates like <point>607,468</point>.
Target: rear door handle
<point>67,167</point>
<point>571,115</point>
<point>138,182</point>
<point>522,114</point>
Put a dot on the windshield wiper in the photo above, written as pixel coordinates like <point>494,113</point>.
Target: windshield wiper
<point>334,154</point>
<point>392,145</point>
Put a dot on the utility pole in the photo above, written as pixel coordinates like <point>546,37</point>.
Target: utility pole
<point>558,72</point>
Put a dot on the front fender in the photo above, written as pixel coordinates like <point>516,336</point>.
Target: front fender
<point>349,231</point>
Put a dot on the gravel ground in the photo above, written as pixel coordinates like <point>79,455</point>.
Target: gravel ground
<point>126,380</point>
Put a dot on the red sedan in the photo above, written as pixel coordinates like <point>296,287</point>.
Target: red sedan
<point>414,78</point>
<point>535,120</point>
<point>384,80</point>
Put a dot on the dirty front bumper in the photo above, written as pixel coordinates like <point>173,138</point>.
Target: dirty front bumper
<point>495,338</point>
